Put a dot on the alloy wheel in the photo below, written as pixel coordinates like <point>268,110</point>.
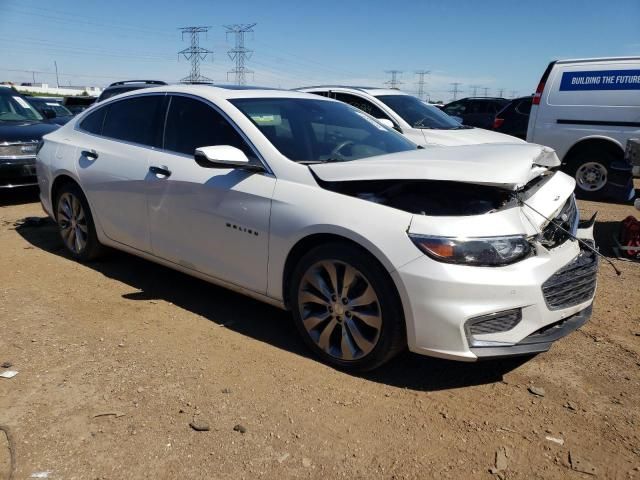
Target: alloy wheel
<point>340,310</point>
<point>73,222</point>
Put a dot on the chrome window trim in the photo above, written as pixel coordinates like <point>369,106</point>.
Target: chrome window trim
<point>19,142</point>
<point>108,102</point>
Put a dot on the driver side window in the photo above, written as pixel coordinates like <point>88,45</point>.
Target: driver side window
<point>361,104</point>
<point>192,124</point>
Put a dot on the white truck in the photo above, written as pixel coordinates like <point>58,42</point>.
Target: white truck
<point>587,110</point>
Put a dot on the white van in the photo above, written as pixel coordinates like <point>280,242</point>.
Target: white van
<point>587,110</point>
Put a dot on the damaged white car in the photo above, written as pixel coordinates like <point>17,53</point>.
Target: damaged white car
<point>311,205</point>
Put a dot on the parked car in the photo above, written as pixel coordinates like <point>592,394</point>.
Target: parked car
<point>78,103</point>
<point>476,111</point>
<point>21,128</point>
<point>117,88</point>
<point>420,122</point>
<point>303,202</point>
<point>587,110</point>
<point>513,119</point>
<point>52,110</point>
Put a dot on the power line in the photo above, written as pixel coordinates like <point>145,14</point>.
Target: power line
<point>455,90</point>
<point>486,91</point>
<point>514,93</point>
<point>394,81</point>
<point>239,53</point>
<point>195,53</point>
<point>500,92</point>
<point>475,89</point>
<point>421,74</point>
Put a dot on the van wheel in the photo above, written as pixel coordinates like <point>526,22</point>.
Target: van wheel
<point>591,173</point>
<point>75,223</point>
<point>346,308</point>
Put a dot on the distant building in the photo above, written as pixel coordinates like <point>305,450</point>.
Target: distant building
<point>44,88</point>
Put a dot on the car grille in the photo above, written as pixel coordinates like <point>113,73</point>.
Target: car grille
<point>18,149</point>
<point>573,284</point>
<point>567,219</point>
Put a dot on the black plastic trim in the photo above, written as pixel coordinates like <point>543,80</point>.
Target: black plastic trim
<point>539,341</point>
<point>604,123</point>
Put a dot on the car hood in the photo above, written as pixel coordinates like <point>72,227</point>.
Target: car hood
<point>465,136</point>
<point>24,131</point>
<point>509,166</point>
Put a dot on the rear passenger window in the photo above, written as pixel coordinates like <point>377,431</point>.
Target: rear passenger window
<point>136,119</point>
<point>93,122</point>
<point>192,124</point>
<point>457,108</point>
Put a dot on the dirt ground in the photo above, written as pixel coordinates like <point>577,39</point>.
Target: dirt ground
<point>116,358</point>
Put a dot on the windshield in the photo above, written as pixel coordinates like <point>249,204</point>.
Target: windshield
<point>417,113</point>
<point>58,109</point>
<point>14,108</point>
<point>314,131</point>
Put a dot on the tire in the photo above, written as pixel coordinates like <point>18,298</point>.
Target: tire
<point>362,326</point>
<point>591,170</point>
<point>75,224</point>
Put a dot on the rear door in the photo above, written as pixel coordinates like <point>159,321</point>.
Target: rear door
<point>112,165</point>
<point>212,220</point>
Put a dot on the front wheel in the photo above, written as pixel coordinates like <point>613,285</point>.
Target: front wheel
<point>346,308</point>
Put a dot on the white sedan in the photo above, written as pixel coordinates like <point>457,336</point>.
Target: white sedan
<point>311,205</point>
<point>420,122</point>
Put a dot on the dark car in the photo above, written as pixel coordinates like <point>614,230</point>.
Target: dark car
<point>514,118</point>
<point>21,129</point>
<point>52,110</point>
<point>78,103</point>
<point>476,111</point>
<point>126,86</point>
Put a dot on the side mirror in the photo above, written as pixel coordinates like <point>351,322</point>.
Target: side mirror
<point>386,122</point>
<point>224,156</point>
<point>48,113</point>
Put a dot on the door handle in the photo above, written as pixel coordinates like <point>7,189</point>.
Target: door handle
<point>163,170</point>
<point>90,154</point>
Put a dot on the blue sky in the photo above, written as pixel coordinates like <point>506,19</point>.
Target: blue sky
<point>495,44</point>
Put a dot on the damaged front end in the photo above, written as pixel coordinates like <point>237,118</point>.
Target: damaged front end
<point>494,215</point>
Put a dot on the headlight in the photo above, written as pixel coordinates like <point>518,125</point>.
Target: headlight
<point>481,251</point>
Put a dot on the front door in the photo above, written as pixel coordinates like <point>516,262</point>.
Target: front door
<point>212,220</point>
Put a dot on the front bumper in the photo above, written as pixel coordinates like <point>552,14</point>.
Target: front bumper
<point>18,172</point>
<point>440,300</point>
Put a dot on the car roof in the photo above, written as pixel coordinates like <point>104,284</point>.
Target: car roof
<point>216,92</point>
<point>374,91</point>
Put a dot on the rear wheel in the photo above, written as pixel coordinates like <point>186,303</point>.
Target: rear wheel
<point>591,172</point>
<point>75,224</point>
<point>346,308</point>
